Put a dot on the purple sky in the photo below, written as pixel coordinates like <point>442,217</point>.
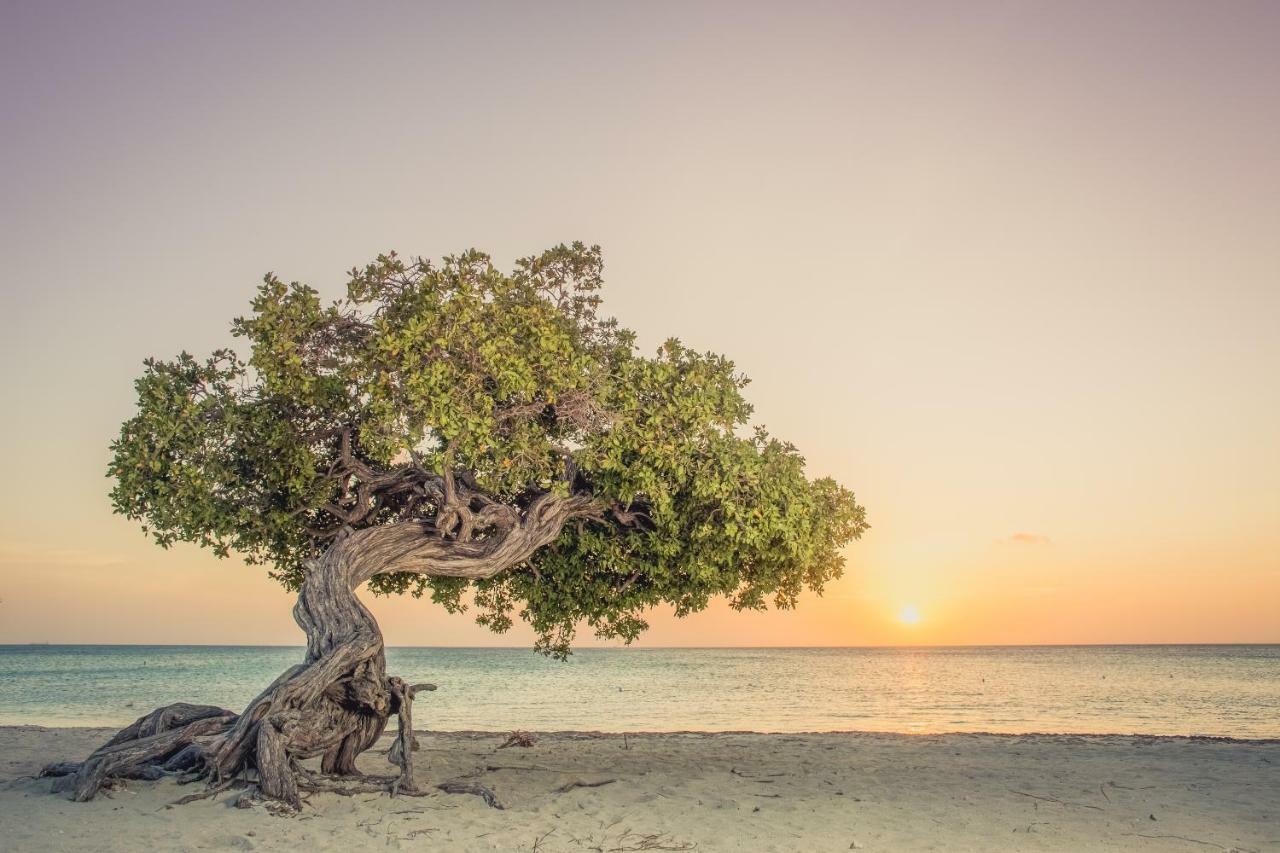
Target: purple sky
<point>1009,270</point>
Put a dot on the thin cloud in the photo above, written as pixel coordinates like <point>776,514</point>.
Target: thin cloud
<point>1026,539</point>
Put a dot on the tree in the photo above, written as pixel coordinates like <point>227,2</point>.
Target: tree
<point>453,431</point>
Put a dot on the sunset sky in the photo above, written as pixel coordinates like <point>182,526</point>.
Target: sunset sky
<point>1010,271</point>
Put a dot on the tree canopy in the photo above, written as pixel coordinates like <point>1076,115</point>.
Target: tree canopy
<point>456,395</point>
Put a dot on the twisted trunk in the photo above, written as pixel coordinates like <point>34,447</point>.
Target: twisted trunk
<point>336,703</point>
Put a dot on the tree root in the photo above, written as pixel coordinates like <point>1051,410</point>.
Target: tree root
<point>349,786</point>
<point>402,748</point>
<point>142,756</point>
<point>350,790</point>
<point>211,791</point>
<point>334,705</point>
<point>310,777</point>
<point>191,742</point>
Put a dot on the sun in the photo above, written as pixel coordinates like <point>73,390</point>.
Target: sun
<point>909,615</point>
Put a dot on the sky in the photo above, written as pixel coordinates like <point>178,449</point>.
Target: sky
<point>1009,270</point>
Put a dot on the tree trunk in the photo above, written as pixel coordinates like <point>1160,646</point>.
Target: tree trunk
<point>337,702</point>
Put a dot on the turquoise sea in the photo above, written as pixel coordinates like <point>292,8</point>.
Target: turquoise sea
<point>1169,690</point>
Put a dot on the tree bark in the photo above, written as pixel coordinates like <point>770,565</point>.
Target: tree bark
<point>336,703</point>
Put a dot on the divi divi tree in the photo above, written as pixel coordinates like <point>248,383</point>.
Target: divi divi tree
<point>485,439</point>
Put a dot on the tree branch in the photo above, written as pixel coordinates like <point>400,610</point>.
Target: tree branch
<point>406,547</point>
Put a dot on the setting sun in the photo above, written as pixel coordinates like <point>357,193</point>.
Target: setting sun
<point>909,615</point>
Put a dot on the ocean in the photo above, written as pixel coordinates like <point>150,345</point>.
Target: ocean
<point>1231,691</point>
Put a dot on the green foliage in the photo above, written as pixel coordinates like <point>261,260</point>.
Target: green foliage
<point>512,380</point>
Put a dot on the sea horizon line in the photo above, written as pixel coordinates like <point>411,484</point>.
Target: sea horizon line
<point>649,648</point>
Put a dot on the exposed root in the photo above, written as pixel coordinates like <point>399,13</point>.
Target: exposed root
<point>165,719</point>
<point>60,768</point>
<point>194,742</point>
<point>310,777</point>
<point>211,791</point>
<point>358,788</point>
<point>402,748</point>
<point>334,705</point>
<point>143,756</point>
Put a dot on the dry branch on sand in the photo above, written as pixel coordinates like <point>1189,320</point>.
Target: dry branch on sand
<point>578,783</point>
<point>628,841</point>
<point>519,738</point>
<point>458,786</point>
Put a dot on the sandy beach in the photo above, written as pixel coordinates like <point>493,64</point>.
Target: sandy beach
<point>708,792</point>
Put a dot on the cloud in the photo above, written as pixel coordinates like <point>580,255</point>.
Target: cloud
<point>1026,539</point>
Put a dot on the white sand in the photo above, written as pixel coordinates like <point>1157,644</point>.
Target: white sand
<point>820,792</point>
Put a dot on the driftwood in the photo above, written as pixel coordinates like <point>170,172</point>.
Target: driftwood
<point>457,786</point>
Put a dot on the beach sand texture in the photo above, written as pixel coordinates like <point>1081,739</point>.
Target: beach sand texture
<point>705,792</point>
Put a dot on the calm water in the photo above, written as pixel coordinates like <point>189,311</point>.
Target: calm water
<point>1210,690</point>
